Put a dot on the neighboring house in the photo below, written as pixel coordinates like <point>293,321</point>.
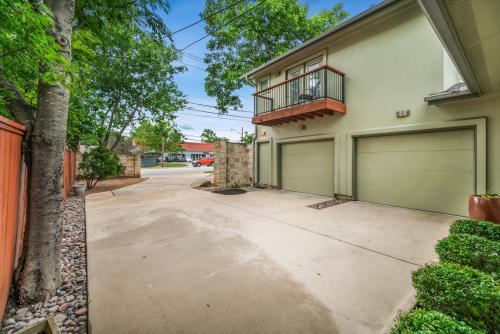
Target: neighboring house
<point>375,109</point>
<point>194,151</point>
<point>190,152</point>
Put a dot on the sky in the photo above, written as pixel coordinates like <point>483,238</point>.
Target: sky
<point>191,82</point>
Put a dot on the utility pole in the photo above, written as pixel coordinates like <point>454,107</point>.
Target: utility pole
<point>162,150</point>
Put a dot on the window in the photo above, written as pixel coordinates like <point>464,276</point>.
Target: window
<point>264,84</point>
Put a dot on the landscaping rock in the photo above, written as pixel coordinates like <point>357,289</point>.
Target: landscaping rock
<point>69,304</point>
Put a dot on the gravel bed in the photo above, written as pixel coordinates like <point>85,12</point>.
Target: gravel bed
<point>69,305</point>
<point>327,204</point>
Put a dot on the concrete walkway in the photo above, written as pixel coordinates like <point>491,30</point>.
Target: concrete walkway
<point>165,258</point>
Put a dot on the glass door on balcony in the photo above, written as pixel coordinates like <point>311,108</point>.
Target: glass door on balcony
<point>294,86</point>
<point>313,81</point>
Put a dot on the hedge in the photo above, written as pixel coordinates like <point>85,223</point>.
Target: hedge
<point>470,250</point>
<point>431,322</point>
<point>480,228</point>
<point>464,293</point>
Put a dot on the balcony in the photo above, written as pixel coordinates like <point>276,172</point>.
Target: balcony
<point>313,94</point>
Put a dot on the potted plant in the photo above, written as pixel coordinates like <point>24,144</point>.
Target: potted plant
<point>79,189</point>
<point>485,207</point>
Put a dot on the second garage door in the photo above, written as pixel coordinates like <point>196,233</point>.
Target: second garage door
<point>308,167</point>
<point>432,171</point>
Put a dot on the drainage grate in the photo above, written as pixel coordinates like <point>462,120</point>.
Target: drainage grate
<point>327,204</point>
<point>231,191</point>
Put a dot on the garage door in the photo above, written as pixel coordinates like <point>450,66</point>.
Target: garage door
<point>308,167</point>
<point>264,171</point>
<point>429,171</point>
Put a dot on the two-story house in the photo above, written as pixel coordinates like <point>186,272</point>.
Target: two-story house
<point>376,110</point>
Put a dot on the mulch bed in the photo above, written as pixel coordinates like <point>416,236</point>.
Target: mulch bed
<point>113,184</point>
<point>69,304</point>
<point>326,204</point>
<point>230,191</point>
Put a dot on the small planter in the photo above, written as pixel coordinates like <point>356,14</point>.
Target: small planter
<point>485,207</point>
<point>46,326</point>
<point>79,189</point>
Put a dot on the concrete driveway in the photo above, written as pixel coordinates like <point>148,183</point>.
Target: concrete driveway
<point>166,258</point>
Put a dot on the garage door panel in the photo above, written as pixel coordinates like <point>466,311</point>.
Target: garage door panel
<point>419,199</point>
<point>435,141</point>
<point>455,160</point>
<point>415,180</point>
<point>432,171</point>
<point>308,167</point>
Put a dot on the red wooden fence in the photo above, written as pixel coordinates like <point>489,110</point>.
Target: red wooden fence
<point>11,201</point>
<point>69,171</point>
<point>13,181</point>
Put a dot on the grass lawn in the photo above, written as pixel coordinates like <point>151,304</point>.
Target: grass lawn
<point>170,165</point>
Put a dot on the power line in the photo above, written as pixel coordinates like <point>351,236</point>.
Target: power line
<point>215,113</point>
<point>206,116</point>
<point>193,66</point>
<point>212,106</point>
<point>222,26</point>
<point>206,17</point>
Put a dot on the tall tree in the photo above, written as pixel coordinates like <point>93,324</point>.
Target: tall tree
<point>209,136</point>
<point>159,136</point>
<point>35,63</point>
<point>132,78</point>
<point>46,83</point>
<point>245,37</point>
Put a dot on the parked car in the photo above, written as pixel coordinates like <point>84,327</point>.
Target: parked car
<point>204,162</point>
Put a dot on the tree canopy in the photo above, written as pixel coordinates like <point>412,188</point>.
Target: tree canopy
<point>209,136</point>
<point>152,134</point>
<point>243,38</point>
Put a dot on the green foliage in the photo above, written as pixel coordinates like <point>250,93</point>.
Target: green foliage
<point>431,322</point>
<point>123,55</point>
<point>269,30</point>
<point>25,47</point>
<point>98,164</point>
<point>209,136</point>
<point>150,135</point>
<point>461,292</point>
<point>248,138</point>
<point>470,250</point>
<point>480,228</point>
<point>488,195</point>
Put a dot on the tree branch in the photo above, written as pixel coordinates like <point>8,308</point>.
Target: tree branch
<point>22,111</point>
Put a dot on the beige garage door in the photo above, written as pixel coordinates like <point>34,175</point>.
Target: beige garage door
<point>308,167</point>
<point>429,171</point>
<point>264,166</point>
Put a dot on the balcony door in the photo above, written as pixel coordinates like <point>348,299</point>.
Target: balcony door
<point>313,80</point>
<point>294,86</point>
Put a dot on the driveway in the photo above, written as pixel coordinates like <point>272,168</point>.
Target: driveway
<point>166,258</point>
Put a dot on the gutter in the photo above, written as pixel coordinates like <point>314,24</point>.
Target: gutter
<point>346,24</point>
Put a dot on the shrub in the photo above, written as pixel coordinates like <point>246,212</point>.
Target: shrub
<point>99,164</point>
<point>470,250</point>
<point>431,322</point>
<point>461,292</point>
<point>480,228</point>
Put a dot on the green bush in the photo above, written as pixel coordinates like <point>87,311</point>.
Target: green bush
<point>98,164</point>
<point>461,292</point>
<point>470,250</point>
<point>431,322</point>
<point>480,228</point>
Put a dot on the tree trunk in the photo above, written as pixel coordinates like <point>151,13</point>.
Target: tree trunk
<point>41,272</point>
<point>162,150</point>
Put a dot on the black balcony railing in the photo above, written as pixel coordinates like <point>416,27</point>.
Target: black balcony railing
<point>324,82</point>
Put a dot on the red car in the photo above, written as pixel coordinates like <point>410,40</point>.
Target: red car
<point>204,162</point>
